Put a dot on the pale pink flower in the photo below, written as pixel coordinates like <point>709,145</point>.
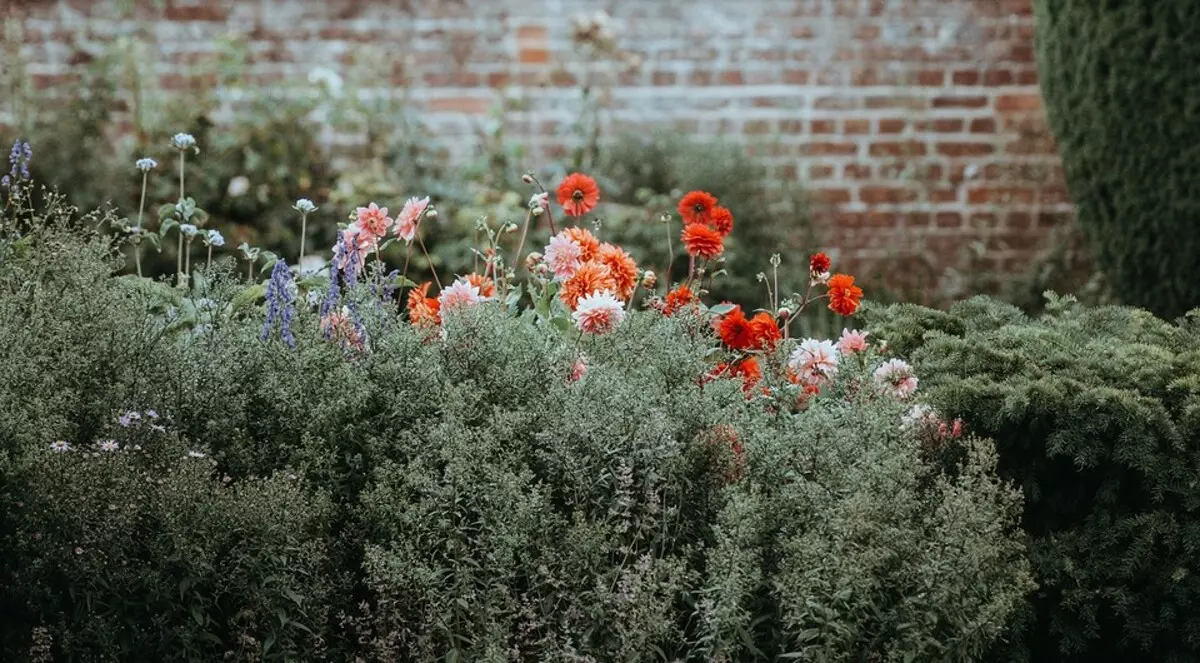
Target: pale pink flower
<point>60,446</point>
<point>109,445</point>
<point>562,256</point>
<point>356,243</point>
<point>374,220</point>
<point>813,361</point>
<point>341,327</point>
<point>406,223</point>
<point>852,341</point>
<point>539,201</point>
<point>578,369</point>
<point>598,313</point>
<point>895,377</point>
<point>460,293</point>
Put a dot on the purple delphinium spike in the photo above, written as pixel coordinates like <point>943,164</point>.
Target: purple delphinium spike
<point>280,304</point>
<point>18,161</point>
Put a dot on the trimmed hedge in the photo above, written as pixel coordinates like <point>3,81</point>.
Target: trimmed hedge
<point>1096,416</point>
<point>1123,98</point>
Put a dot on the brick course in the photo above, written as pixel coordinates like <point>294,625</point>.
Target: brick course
<point>917,124</point>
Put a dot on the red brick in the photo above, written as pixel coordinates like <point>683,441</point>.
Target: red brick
<point>850,219</point>
<point>880,195</point>
<point>856,171</point>
<point>823,126</point>
<point>939,196</point>
<point>892,125</point>
<point>965,77</point>
<point>941,125</point>
<point>853,127</point>
<point>467,105</point>
<point>965,149</point>
<point>898,149</point>
<point>832,196</point>
<point>983,125</point>
<point>795,76</point>
<point>1000,195</point>
<point>998,77</point>
<point>820,172</point>
<point>930,78</point>
<point>960,102</point>
<point>1018,102</point>
<point>533,33</point>
<point>948,220</point>
<point>878,219</point>
<point>829,149</point>
<point>534,56</point>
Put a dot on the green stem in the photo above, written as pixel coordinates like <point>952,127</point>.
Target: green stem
<point>137,258</point>
<point>142,205</point>
<point>187,258</point>
<point>429,260</point>
<point>179,261</point>
<point>521,242</point>
<point>670,253</point>
<point>303,232</point>
<point>208,263</point>
<point>182,158</point>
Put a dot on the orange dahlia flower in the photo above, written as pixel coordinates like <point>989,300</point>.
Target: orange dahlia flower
<point>585,239</point>
<point>591,277</point>
<point>697,207</point>
<point>621,266</point>
<point>678,298</point>
<point>702,241</point>
<point>722,221</point>
<point>765,330</point>
<point>423,310</point>
<point>487,287</point>
<point>844,296</point>
<point>735,330</point>
<point>578,194</point>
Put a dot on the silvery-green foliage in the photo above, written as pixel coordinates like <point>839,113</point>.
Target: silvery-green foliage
<point>456,495</point>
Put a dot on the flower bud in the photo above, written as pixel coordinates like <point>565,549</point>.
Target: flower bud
<point>431,213</point>
<point>784,313</point>
<point>533,260</point>
<point>649,279</point>
<point>538,211</point>
<point>527,178</point>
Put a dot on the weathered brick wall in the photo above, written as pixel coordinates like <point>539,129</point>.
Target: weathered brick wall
<point>917,124</point>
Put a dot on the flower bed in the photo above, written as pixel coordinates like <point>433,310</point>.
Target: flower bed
<point>555,456</point>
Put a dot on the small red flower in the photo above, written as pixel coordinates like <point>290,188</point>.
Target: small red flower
<point>722,221</point>
<point>578,194</point>
<point>749,371</point>
<point>844,296</point>
<point>765,331</point>
<point>702,241</point>
<point>679,298</point>
<point>735,330</point>
<point>697,207</point>
<point>819,263</point>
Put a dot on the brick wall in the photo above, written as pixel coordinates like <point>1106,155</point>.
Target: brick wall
<point>917,124</point>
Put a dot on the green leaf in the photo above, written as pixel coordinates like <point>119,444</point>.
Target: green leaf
<point>166,226</point>
<point>249,296</point>
<point>166,211</point>
<point>722,309</point>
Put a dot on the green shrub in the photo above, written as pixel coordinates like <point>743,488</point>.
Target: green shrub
<point>457,496</point>
<point>1094,413</point>
<point>1123,105</point>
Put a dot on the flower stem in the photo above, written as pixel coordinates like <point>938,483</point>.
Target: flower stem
<point>430,261</point>
<point>137,257</point>
<point>670,253</point>
<point>303,232</point>
<point>179,261</point>
<point>142,205</point>
<point>182,158</point>
<point>208,263</point>
<point>521,242</point>
<point>187,258</point>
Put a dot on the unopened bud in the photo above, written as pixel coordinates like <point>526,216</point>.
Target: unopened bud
<point>533,260</point>
<point>527,178</point>
<point>510,228</point>
<point>649,279</point>
<point>542,269</point>
<point>431,213</point>
<point>538,211</point>
<point>784,313</point>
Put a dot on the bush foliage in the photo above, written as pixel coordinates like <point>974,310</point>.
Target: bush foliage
<point>457,495</point>
<point>1128,159</point>
<point>1094,413</point>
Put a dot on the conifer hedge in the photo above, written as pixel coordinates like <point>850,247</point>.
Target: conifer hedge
<point>1123,96</point>
<point>1096,417</point>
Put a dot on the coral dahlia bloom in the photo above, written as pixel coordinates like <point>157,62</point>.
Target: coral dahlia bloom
<point>621,266</point>
<point>487,287</point>
<point>591,277</point>
<point>844,296</point>
<point>747,369</point>
<point>819,263</point>
<point>765,331</point>
<point>895,377</point>
<point>735,330</point>
<point>678,298</point>
<point>423,310</point>
<point>852,341</point>
<point>460,293</point>
<point>578,194</point>
<point>563,256</point>
<point>697,207</point>
<point>406,223</point>
<point>813,361</point>
<point>702,241</point>
<point>374,219</point>
<point>598,313</point>
<point>722,221</point>
<point>587,242</point>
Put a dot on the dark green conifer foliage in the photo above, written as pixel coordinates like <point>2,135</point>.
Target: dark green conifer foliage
<point>1096,416</point>
<point>1122,93</point>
